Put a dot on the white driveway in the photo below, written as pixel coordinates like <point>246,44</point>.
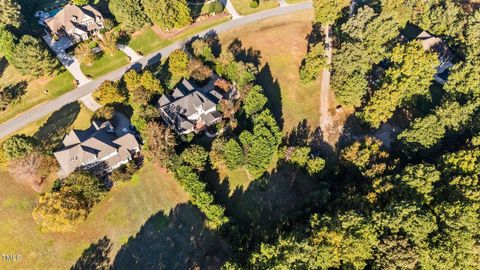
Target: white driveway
<point>90,102</point>
<point>134,56</point>
<point>70,63</point>
<point>231,9</point>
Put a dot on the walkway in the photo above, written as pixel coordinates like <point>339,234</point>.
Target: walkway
<point>283,3</point>
<point>231,9</point>
<point>70,63</point>
<point>49,107</point>
<point>134,56</point>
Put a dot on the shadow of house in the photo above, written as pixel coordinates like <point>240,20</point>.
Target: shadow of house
<point>272,91</point>
<point>178,240</point>
<point>51,134</point>
<point>95,257</point>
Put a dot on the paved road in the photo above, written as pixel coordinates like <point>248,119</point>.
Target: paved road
<point>49,107</point>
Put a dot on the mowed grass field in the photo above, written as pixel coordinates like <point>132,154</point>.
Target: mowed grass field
<point>118,216</point>
<point>282,45</point>
<point>34,89</point>
<point>243,6</point>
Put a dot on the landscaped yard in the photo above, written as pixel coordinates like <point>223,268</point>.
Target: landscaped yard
<point>119,216</point>
<point>105,64</point>
<point>281,58</point>
<point>243,6</point>
<point>35,90</point>
<point>147,41</point>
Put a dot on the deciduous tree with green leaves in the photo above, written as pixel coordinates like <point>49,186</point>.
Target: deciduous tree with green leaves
<point>168,14</point>
<point>109,92</point>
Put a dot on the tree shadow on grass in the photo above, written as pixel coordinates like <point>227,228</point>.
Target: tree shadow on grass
<point>3,65</point>
<point>249,55</point>
<point>52,132</point>
<point>178,240</point>
<point>96,256</point>
<point>272,90</point>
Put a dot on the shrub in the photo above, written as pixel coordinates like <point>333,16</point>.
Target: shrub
<point>254,4</point>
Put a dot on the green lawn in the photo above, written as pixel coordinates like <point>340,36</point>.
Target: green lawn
<point>35,91</point>
<point>105,64</point>
<point>118,216</point>
<point>243,6</point>
<point>148,41</point>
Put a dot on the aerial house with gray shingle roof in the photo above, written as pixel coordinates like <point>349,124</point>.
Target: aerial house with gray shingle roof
<point>192,109</point>
<point>77,23</point>
<point>101,145</point>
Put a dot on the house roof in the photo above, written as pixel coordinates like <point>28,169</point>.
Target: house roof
<point>99,142</point>
<point>71,19</point>
<point>189,104</point>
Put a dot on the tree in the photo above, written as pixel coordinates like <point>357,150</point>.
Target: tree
<point>328,11</point>
<point>85,54</point>
<point>124,173</point>
<point>168,14</point>
<point>159,143</point>
<point>32,58</point>
<point>315,165</point>
<point>32,168</point>
<point>132,80</point>
<point>10,14</point>
<point>151,83</point>
<point>109,92</point>
<point>260,145</point>
<point>202,50</point>
<point>366,156</point>
<point>178,64</point>
<point>129,13</point>
<point>18,145</point>
<point>254,101</point>
<point>196,156</point>
<point>395,253</point>
<point>298,155</point>
<point>81,2</point>
<point>61,211</point>
<point>108,42</point>
<point>428,131</point>
<point>421,178</point>
<point>315,60</point>
<point>200,197</point>
<point>235,71</point>
<point>408,78</point>
<point>233,154</point>
<point>105,113</point>
<point>366,39</point>
<point>7,44</point>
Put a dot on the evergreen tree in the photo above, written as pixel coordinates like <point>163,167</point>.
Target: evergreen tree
<point>314,62</point>
<point>7,44</point>
<point>168,14</point>
<point>254,101</point>
<point>10,14</point>
<point>30,57</point>
<point>130,13</point>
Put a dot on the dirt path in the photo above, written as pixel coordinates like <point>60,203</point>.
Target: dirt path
<point>326,119</point>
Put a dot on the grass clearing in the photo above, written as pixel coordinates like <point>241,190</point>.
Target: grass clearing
<point>243,6</point>
<point>105,64</point>
<point>147,41</point>
<point>119,216</point>
<point>281,57</point>
<point>35,90</point>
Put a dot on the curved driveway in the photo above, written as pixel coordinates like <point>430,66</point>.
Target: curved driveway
<point>49,107</point>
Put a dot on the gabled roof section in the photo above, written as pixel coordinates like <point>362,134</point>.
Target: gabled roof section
<point>71,19</point>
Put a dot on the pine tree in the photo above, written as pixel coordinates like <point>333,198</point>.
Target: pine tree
<point>32,58</point>
<point>10,13</point>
